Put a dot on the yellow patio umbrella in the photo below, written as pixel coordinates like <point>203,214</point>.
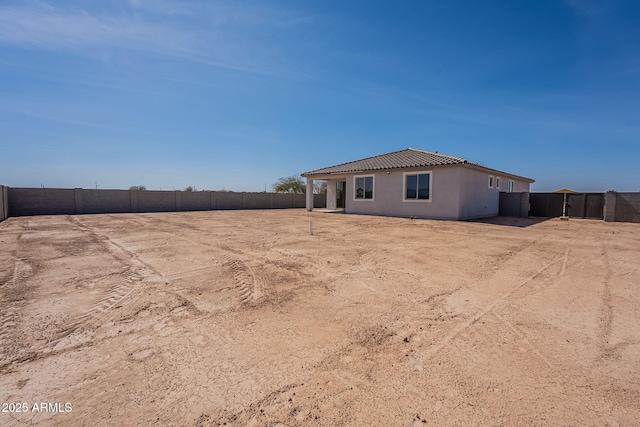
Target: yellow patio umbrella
<point>565,191</point>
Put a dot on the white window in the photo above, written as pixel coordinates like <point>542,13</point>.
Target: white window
<point>363,187</point>
<point>510,189</point>
<point>417,186</point>
<point>497,182</point>
<point>490,181</point>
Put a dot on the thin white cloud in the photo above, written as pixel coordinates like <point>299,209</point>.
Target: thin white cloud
<point>626,71</point>
<point>586,8</point>
<point>41,26</point>
<point>24,111</point>
<point>164,7</point>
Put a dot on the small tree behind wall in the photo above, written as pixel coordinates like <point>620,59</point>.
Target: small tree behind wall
<point>320,187</point>
<point>290,184</point>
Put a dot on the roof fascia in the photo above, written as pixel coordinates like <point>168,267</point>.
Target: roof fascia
<point>339,175</point>
<point>497,172</point>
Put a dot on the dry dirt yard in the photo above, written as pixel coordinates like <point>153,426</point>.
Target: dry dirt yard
<point>241,318</point>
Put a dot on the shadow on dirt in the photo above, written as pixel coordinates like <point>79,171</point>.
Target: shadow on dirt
<point>512,221</point>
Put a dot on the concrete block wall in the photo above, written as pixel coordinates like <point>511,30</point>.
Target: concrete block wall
<point>610,206</point>
<point>300,200</point>
<point>157,201</point>
<point>4,203</point>
<point>195,200</point>
<point>41,201</point>
<point>622,207</point>
<point>228,200</point>
<point>281,200</point>
<point>319,201</point>
<point>514,204</point>
<point>255,201</point>
<point>525,205</point>
<point>53,201</point>
<point>106,201</point>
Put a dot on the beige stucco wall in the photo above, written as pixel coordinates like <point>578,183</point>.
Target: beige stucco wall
<point>457,192</point>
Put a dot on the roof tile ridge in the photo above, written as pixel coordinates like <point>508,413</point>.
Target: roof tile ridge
<point>361,160</point>
<point>460,159</point>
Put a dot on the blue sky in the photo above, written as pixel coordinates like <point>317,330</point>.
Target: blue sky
<point>235,94</point>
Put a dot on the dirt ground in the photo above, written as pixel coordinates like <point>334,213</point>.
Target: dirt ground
<point>241,318</point>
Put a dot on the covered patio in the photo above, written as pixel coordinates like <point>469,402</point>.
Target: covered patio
<point>336,192</point>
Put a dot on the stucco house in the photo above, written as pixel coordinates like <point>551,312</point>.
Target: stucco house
<point>415,183</point>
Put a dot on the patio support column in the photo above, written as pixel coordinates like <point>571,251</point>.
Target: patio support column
<point>331,194</point>
<point>309,193</point>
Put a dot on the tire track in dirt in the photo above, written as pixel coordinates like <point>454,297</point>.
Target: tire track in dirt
<point>8,320</point>
<point>18,269</point>
<point>189,273</point>
<point>431,352</point>
<point>245,277</point>
<point>524,338</point>
<point>564,262</point>
<point>496,264</point>
<point>250,288</point>
<point>495,261</point>
<point>119,252</point>
<point>119,293</point>
<point>15,294</point>
<point>21,271</point>
<point>12,297</point>
<point>605,317</point>
<point>12,293</point>
<point>259,412</point>
<point>100,310</point>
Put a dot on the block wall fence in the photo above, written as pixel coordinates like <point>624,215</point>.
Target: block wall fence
<point>66,201</point>
<point>4,202</point>
<point>514,204</point>
<point>622,207</point>
<point>618,207</point>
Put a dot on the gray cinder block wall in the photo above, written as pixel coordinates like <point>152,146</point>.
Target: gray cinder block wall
<point>514,204</point>
<point>622,207</point>
<point>53,201</point>
<point>194,200</point>
<point>4,202</point>
<point>41,201</point>
<point>610,206</point>
<point>107,201</point>
<point>157,201</point>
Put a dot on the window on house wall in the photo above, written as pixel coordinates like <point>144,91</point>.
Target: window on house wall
<point>510,189</point>
<point>497,182</point>
<point>363,187</point>
<point>490,181</point>
<point>417,186</point>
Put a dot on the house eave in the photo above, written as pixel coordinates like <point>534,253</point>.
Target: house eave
<point>498,172</point>
<point>334,175</point>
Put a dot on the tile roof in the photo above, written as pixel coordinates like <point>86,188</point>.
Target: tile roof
<point>407,158</point>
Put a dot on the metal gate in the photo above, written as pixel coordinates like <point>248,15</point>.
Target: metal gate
<point>545,204</point>
<point>579,205</point>
<point>585,205</point>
